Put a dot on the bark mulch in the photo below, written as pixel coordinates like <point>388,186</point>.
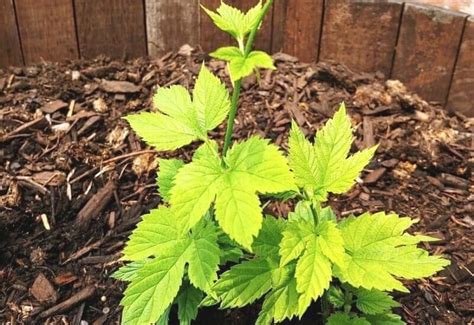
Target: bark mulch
<point>74,179</point>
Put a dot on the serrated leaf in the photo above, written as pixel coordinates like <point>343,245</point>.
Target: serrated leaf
<point>181,120</point>
<point>244,283</point>
<point>330,241</point>
<point>325,167</point>
<point>227,53</point>
<point>157,232</point>
<point>128,272</point>
<point>188,302</point>
<point>241,66</point>
<point>313,275</point>
<point>211,99</point>
<point>164,319</point>
<point>168,168</point>
<point>295,236</point>
<point>378,251</point>
<point>302,158</point>
<point>254,166</point>
<point>148,296</point>
<point>161,131</point>
<point>268,240</point>
<point>336,297</point>
<point>204,256</point>
<point>374,302</point>
<point>280,303</point>
<point>346,319</point>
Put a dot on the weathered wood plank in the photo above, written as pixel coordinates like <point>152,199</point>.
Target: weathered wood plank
<point>170,24</point>
<point>461,95</point>
<point>299,23</point>
<point>47,30</point>
<point>426,51</point>
<point>361,34</point>
<point>10,50</point>
<point>112,27</point>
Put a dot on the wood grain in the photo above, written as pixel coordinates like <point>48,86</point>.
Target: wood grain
<point>112,27</point>
<point>10,49</point>
<point>47,30</point>
<point>170,24</point>
<point>461,95</point>
<point>361,34</point>
<point>299,24</point>
<point>427,48</point>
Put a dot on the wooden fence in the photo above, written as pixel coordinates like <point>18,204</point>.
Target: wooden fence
<point>430,49</point>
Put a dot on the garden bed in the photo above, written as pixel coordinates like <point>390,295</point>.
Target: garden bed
<point>68,162</point>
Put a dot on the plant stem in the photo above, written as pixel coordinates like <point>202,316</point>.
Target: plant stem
<point>238,84</point>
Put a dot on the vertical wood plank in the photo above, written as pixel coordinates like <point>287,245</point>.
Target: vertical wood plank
<point>210,37</point>
<point>47,30</point>
<point>461,95</point>
<point>361,34</point>
<point>170,24</point>
<point>10,50</point>
<point>426,51</point>
<point>112,27</point>
<point>299,23</point>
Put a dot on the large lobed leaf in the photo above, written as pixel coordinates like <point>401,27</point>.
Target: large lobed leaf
<point>182,120</point>
<point>155,284</point>
<point>253,166</point>
<point>378,252</point>
<point>325,166</point>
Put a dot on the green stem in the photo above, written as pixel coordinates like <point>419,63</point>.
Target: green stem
<point>238,84</point>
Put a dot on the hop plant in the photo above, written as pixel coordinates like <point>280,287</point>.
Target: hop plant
<point>212,214</point>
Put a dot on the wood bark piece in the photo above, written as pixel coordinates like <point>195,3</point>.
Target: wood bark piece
<point>53,106</point>
<point>43,290</point>
<point>297,27</point>
<point>361,34</point>
<point>112,27</point>
<point>427,48</point>
<point>10,50</point>
<point>47,30</point>
<point>170,24</point>
<point>82,295</point>
<point>95,205</point>
<point>113,86</point>
<point>461,95</point>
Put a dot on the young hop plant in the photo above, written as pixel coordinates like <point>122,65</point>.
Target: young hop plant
<point>212,214</point>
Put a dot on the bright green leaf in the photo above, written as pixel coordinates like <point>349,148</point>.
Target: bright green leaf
<point>385,319</point>
<point>336,297</point>
<point>330,241</point>
<point>374,301</point>
<point>268,240</point>
<point>168,170</point>
<point>346,319</point>
<point>128,272</point>
<point>227,53</point>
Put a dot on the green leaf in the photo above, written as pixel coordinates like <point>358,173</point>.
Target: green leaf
<point>346,319</point>
<point>336,297</point>
<point>244,283</point>
<point>227,53</point>
<point>254,166</point>
<point>161,131</point>
<point>204,256</point>
<point>269,238</point>
<point>280,303</point>
<point>211,99</point>
<point>294,239</point>
<point>313,275</point>
<point>168,170</point>
<point>181,120</point>
<point>374,301</point>
<point>234,21</point>
<point>330,242</point>
<point>325,167</point>
<point>164,319</point>
<point>241,67</point>
<point>385,319</point>
<point>378,252</point>
<point>188,302</point>
<point>157,232</point>
<point>302,158</point>
<point>153,290</point>
<point>128,272</point>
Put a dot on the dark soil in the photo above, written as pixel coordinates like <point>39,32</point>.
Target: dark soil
<point>69,162</point>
